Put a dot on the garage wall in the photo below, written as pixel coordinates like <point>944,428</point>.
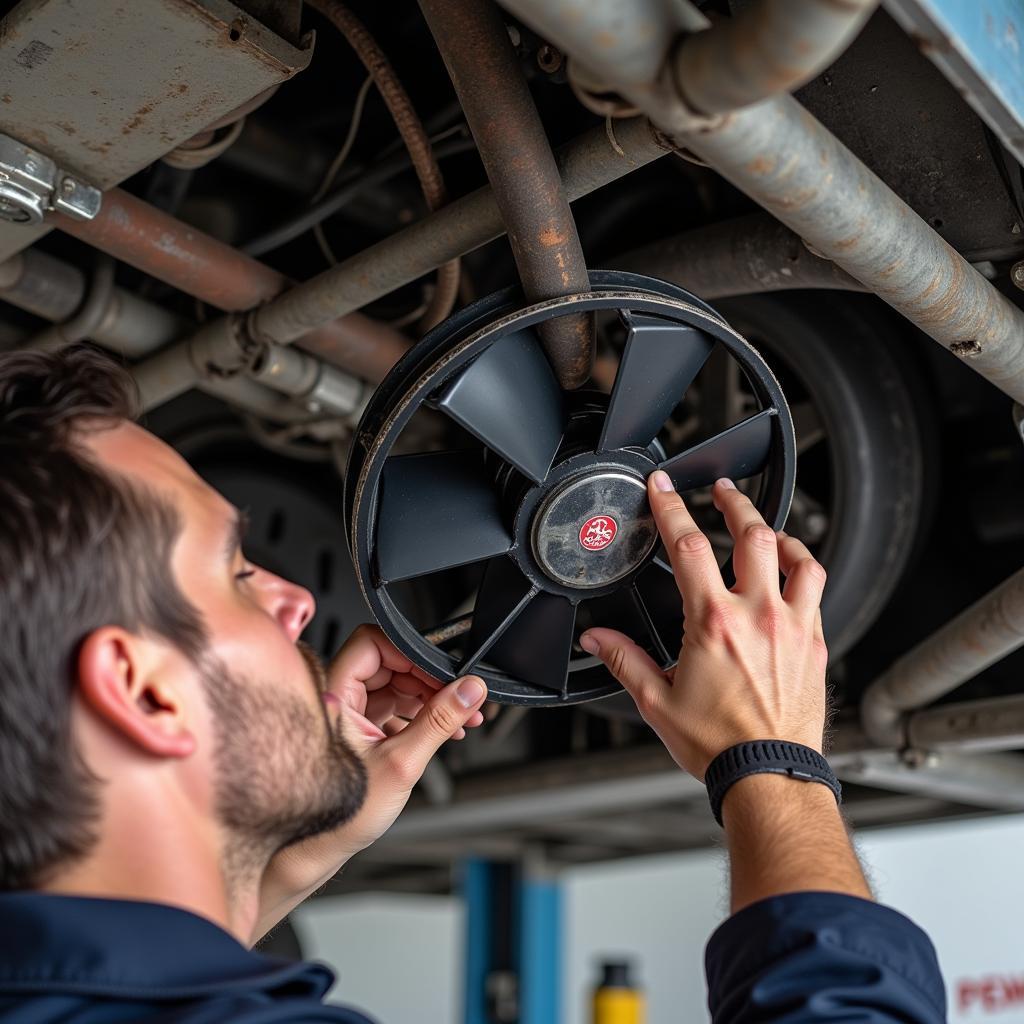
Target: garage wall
<point>400,957</point>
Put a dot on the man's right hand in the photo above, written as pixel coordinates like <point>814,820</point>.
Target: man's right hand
<point>753,657</point>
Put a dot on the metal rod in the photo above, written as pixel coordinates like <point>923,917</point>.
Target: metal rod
<point>88,317</point>
<point>969,726</point>
<point>737,257</point>
<point>588,162</point>
<point>789,163</point>
<point>136,233</point>
<point>516,154</point>
<point>988,630</point>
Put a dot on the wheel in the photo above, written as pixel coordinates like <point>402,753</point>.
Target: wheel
<point>540,507</point>
<point>859,495</point>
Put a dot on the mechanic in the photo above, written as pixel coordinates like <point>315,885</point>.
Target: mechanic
<point>177,771</point>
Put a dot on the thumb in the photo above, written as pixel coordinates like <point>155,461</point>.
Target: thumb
<point>439,720</point>
<point>629,663</point>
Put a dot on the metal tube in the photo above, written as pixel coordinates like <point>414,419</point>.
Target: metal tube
<point>988,630</point>
<point>588,162</point>
<point>766,48</point>
<point>88,317</point>
<point>969,726</point>
<point>789,163</point>
<point>148,239</point>
<point>737,257</point>
<point>131,326</point>
<point>516,154</point>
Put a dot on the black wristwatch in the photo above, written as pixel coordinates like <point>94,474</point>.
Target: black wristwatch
<point>773,756</point>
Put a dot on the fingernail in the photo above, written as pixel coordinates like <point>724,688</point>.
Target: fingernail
<point>662,481</point>
<point>589,644</point>
<point>470,691</point>
<point>726,483</point>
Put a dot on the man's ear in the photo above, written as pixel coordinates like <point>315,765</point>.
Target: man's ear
<point>127,682</point>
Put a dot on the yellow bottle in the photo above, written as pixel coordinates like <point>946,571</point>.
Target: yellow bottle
<point>616,1000</point>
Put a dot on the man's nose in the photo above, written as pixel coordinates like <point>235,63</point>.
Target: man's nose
<point>293,607</point>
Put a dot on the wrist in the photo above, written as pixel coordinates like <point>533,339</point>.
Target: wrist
<point>775,801</point>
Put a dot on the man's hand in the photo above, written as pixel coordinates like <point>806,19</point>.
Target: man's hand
<point>751,667</point>
<point>753,658</point>
<point>396,717</point>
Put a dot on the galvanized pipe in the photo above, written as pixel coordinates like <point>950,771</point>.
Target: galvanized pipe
<point>48,287</point>
<point>973,726</point>
<point>136,233</point>
<point>514,149</point>
<point>737,257</point>
<point>988,630</point>
<point>766,48</point>
<point>587,163</point>
<point>783,158</point>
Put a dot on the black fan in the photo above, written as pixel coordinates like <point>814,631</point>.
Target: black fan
<point>546,500</point>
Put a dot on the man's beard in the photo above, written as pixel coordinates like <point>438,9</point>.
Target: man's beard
<point>284,771</point>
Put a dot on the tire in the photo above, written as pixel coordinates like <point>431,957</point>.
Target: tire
<point>838,350</point>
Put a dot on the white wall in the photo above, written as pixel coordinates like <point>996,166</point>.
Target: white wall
<point>397,958</point>
<point>962,881</point>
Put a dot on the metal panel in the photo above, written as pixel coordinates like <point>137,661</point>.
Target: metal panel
<point>106,89</point>
<point>978,46</point>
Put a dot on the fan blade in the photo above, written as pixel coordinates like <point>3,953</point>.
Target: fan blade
<point>536,646</point>
<point>659,363</point>
<point>435,511</point>
<point>509,398</point>
<point>738,452</point>
<point>504,593</point>
<point>661,606</point>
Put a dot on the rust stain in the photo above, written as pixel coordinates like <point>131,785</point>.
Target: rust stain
<point>6,98</point>
<point>137,118</point>
<point>68,129</point>
<point>550,237</point>
<point>761,165</point>
<point>970,347</point>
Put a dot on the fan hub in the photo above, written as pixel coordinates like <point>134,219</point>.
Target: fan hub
<point>594,529</point>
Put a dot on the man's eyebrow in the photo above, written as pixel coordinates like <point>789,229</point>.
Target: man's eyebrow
<point>236,534</point>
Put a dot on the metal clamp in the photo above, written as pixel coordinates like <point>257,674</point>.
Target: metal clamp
<point>32,184</point>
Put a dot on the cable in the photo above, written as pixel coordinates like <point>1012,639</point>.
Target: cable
<point>350,138</point>
<point>413,135</point>
<point>350,187</point>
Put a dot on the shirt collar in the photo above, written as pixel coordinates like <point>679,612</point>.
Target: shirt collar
<point>133,949</point>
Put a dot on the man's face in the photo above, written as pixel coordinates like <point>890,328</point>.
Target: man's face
<point>282,767</point>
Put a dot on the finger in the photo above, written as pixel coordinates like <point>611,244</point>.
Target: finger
<point>441,718</point>
<point>693,559</point>
<point>630,664</point>
<point>381,705</point>
<point>805,577</point>
<point>366,652</point>
<point>755,557</point>
<point>412,686</point>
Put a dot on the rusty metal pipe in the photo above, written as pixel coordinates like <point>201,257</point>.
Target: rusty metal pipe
<point>988,630</point>
<point>136,233</point>
<point>976,726</point>
<point>587,163</point>
<point>742,256</point>
<point>516,154</point>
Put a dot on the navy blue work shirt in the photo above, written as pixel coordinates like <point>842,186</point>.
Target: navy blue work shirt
<point>793,959</point>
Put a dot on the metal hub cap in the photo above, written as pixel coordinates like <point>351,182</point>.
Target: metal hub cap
<point>594,529</point>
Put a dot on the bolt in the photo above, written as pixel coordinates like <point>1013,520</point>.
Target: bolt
<point>1017,274</point>
<point>549,59</point>
<point>313,406</point>
<point>68,185</point>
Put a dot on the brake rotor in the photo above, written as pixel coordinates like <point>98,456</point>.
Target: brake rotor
<point>545,505</point>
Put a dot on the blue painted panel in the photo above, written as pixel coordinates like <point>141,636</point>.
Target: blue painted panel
<point>979,46</point>
<point>476,884</point>
<point>540,954</point>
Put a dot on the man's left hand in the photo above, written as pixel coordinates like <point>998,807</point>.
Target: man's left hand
<point>396,717</point>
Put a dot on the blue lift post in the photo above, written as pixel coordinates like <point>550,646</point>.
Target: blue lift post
<point>513,930</point>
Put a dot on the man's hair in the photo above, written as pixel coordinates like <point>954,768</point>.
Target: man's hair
<point>80,548</point>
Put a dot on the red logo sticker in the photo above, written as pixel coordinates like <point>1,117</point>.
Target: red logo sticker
<point>598,532</point>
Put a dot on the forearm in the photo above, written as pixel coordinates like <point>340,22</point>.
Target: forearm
<point>787,836</point>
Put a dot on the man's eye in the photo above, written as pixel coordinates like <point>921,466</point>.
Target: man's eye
<point>245,574</point>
